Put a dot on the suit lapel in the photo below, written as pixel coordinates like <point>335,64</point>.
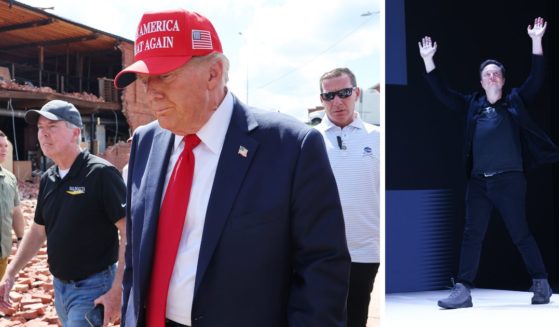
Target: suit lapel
<point>156,170</point>
<point>233,164</point>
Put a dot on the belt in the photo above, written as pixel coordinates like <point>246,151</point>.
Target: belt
<point>170,323</point>
<point>72,281</point>
<point>491,174</point>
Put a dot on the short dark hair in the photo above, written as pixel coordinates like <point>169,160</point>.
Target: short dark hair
<point>492,62</point>
<point>336,73</point>
<point>2,134</point>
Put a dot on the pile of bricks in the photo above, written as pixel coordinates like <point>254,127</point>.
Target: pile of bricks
<point>28,191</point>
<point>10,85</point>
<point>32,295</point>
<point>117,154</point>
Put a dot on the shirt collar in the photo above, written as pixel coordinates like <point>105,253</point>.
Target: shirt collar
<point>212,134</point>
<point>81,159</point>
<point>327,124</point>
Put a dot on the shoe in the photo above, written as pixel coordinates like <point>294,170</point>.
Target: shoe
<point>459,297</point>
<point>542,291</point>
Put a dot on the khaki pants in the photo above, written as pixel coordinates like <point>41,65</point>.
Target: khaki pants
<point>3,265</point>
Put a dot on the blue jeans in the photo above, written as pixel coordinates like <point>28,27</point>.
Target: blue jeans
<point>75,298</point>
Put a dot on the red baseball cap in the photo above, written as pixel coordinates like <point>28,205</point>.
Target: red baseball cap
<point>166,40</point>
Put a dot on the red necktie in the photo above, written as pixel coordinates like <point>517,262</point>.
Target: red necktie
<point>169,232</point>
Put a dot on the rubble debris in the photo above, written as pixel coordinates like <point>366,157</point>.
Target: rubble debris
<point>10,85</point>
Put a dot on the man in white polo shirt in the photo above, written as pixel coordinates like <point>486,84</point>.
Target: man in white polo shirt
<point>353,148</point>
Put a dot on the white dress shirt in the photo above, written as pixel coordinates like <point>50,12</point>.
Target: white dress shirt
<point>356,168</point>
<point>206,154</point>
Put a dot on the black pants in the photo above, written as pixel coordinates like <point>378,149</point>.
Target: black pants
<point>361,281</point>
<point>505,192</point>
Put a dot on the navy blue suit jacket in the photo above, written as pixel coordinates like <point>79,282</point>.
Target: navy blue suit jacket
<point>273,250</point>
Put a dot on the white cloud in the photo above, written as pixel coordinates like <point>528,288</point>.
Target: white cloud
<point>287,44</point>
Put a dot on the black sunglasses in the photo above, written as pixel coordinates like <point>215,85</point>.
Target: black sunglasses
<point>342,94</point>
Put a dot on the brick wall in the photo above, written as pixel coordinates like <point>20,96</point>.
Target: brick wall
<point>134,99</point>
<point>117,154</point>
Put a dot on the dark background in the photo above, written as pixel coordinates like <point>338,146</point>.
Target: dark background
<point>424,140</point>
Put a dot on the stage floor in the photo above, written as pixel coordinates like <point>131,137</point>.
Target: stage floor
<point>506,308</point>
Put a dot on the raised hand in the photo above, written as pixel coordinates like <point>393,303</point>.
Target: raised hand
<point>539,28</point>
<point>427,48</point>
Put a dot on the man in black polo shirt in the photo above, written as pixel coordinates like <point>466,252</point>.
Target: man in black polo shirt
<point>80,211</point>
<point>501,140</point>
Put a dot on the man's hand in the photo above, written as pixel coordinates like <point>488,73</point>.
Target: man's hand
<point>539,28</point>
<point>427,48</point>
<point>6,285</point>
<point>111,303</point>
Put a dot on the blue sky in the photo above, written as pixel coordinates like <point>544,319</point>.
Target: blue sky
<point>284,45</point>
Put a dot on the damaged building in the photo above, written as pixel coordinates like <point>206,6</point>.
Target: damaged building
<point>45,57</point>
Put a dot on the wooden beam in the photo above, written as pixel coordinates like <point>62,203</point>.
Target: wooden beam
<point>32,24</point>
<point>17,95</point>
<point>92,36</point>
<point>79,70</point>
<point>41,65</point>
<point>83,106</point>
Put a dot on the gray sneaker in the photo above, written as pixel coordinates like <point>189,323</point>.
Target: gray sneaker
<point>542,291</point>
<point>459,298</point>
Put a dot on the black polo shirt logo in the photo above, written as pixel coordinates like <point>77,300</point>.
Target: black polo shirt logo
<point>76,190</point>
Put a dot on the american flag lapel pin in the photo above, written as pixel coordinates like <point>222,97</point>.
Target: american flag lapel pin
<point>243,151</point>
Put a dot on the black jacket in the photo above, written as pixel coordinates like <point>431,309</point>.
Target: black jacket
<point>537,147</point>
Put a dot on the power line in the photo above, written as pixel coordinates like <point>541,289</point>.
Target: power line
<point>319,54</point>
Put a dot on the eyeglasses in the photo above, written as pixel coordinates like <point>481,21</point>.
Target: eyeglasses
<point>342,94</point>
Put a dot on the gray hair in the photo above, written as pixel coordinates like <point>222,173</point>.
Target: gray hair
<point>216,56</point>
<point>72,126</point>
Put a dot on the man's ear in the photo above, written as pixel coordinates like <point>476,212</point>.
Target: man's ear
<point>215,77</point>
<point>76,134</point>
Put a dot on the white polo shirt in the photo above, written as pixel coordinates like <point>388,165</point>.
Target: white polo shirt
<point>356,165</point>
